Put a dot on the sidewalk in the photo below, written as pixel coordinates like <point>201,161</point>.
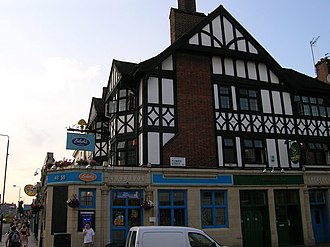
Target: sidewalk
<point>32,241</point>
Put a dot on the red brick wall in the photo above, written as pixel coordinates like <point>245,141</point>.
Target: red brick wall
<point>195,139</point>
<point>181,22</point>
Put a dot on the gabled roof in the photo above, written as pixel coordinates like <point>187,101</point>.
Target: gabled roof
<point>183,42</point>
<point>97,109</point>
<point>306,83</point>
<point>125,68</point>
<point>293,78</point>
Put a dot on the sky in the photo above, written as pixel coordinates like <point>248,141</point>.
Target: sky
<point>55,55</point>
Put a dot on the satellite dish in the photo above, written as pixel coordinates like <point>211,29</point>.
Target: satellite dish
<point>328,78</point>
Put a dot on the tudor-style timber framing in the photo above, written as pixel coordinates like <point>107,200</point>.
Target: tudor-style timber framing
<point>212,133</point>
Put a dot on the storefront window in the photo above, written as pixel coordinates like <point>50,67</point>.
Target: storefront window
<point>172,208</point>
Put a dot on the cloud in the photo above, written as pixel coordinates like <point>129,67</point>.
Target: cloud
<point>69,69</point>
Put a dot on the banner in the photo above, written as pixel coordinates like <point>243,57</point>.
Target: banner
<point>84,142</point>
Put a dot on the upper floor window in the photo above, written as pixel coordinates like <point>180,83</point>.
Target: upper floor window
<point>225,97</point>
<point>120,101</point>
<point>123,153</point>
<point>314,153</point>
<point>229,151</point>
<point>311,106</point>
<point>248,99</point>
<point>254,151</point>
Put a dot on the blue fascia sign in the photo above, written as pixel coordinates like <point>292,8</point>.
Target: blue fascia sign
<point>84,142</point>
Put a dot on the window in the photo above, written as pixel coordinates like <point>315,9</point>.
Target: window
<point>229,151</point>
<point>248,100</point>
<point>254,151</point>
<point>87,198</point>
<point>214,209</point>
<point>225,97</point>
<point>198,240</point>
<point>125,212</point>
<point>124,152</point>
<point>122,100</point>
<point>314,153</point>
<point>172,208</point>
<point>317,197</point>
<point>311,106</point>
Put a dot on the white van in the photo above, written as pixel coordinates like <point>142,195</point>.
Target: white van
<point>168,236</point>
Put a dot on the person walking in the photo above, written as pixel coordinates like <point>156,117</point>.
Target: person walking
<point>25,233</point>
<point>14,238</point>
<point>88,234</point>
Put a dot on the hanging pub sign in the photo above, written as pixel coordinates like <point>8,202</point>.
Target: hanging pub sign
<point>294,152</point>
<point>84,142</point>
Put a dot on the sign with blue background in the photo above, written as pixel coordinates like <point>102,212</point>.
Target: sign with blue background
<point>73,177</point>
<point>84,142</point>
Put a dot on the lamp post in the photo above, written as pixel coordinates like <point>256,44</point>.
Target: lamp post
<point>4,184</point>
<point>19,191</point>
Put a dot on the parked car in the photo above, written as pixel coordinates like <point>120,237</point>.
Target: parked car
<point>168,236</point>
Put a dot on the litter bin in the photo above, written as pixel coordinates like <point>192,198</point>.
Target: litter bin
<point>62,240</point>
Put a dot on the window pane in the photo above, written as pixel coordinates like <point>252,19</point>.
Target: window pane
<point>219,198</point>
<point>122,105</point>
<point>220,216</point>
<point>229,155</point>
<point>305,99</point>
<point>252,93</point>
<point>207,217</point>
<point>312,100</point>
<point>207,198</point>
<point>258,144</point>
<point>118,201</point>
<point>228,142</point>
<point>118,217</point>
<point>224,102</point>
<point>244,104</point>
<point>164,199</point>
<point>179,216</point>
<point>224,90</point>
<point>315,110</point>
<point>307,111</point>
<point>165,217</point>
<point>323,112</point>
<point>253,105</point>
<point>134,217</point>
<point>178,198</point>
<point>248,143</point>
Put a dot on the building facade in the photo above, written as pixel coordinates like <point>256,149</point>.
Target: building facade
<point>211,133</point>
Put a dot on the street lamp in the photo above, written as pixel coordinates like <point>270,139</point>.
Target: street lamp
<point>19,191</point>
<point>4,184</point>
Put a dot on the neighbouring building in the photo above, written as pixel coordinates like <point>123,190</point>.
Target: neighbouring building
<point>211,133</point>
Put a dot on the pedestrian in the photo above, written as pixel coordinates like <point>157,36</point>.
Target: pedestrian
<point>88,234</point>
<point>14,238</point>
<point>25,233</point>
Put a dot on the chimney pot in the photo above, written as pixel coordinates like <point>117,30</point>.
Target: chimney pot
<point>188,6</point>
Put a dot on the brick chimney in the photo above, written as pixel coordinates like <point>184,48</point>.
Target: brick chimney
<point>323,70</point>
<point>184,18</point>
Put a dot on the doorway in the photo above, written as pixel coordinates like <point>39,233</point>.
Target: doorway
<point>254,218</point>
<point>288,217</point>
